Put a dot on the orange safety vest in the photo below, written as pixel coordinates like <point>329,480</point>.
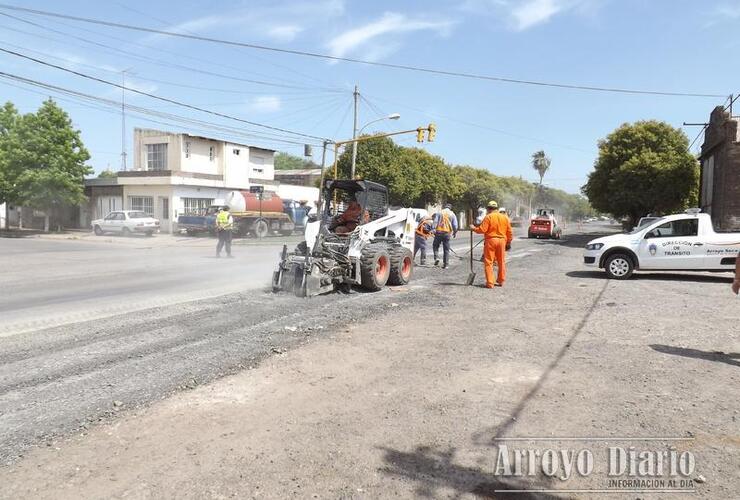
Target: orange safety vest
<point>444,225</point>
<point>422,230</point>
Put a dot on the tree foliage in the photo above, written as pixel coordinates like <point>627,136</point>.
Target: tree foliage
<point>416,178</point>
<point>286,161</point>
<point>43,160</point>
<point>642,168</point>
<point>8,119</point>
<point>413,176</point>
<point>107,174</point>
<point>541,163</point>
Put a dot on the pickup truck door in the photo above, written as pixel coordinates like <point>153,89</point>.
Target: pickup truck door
<point>674,244</point>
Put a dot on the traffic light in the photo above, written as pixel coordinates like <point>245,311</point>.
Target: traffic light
<point>419,134</point>
<point>432,132</point>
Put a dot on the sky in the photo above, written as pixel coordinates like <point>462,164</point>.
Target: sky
<point>678,46</point>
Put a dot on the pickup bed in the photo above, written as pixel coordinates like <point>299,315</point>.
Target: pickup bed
<point>680,242</point>
<point>254,223</point>
<point>193,224</point>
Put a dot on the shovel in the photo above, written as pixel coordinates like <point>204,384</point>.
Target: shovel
<point>471,275</point>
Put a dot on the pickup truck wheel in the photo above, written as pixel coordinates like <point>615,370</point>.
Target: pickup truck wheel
<point>375,267</point>
<point>619,266</point>
<point>261,228</point>
<point>402,266</point>
<point>98,231</point>
<point>529,234</point>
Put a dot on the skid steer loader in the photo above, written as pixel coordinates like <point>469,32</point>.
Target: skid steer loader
<point>371,250</point>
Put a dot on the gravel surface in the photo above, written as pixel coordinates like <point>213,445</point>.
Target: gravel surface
<point>406,392</point>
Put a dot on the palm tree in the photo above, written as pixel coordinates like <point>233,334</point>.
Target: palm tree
<point>541,163</point>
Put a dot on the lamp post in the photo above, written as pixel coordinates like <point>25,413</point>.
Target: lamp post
<point>392,116</point>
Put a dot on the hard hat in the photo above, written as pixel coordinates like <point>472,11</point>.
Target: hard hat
<point>492,204</point>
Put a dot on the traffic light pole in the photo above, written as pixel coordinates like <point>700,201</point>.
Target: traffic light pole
<point>431,130</point>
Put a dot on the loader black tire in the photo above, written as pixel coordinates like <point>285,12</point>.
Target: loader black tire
<point>402,266</point>
<point>375,266</point>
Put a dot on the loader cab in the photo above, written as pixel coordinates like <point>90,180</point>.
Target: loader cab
<point>353,201</point>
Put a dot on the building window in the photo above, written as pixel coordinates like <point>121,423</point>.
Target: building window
<point>256,159</point>
<point>258,170</point>
<point>187,149</point>
<point>211,153</point>
<point>165,203</point>
<point>141,203</point>
<point>235,151</point>
<point>196,205</point>
<point>156,156</point>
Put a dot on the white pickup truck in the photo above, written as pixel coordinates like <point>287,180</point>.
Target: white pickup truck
<point>680,242</point>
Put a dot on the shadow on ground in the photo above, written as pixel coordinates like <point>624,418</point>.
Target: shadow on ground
<point>722,357</point>
<point>667,276</point>
<point>434,469</point>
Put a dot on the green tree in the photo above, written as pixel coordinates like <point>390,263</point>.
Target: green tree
<point>49,158</point>
<point>286,161</point>
<point>541,163</point>
<point>642,168</point>
<point>480,187</point>
<point>8,120</point>
<point>107,174</point>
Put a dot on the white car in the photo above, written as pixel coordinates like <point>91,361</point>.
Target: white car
<point>126,222</point>
<point>680,242</point>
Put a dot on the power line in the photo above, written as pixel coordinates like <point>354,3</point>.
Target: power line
<point>302,95</point>
<point>140,57</point>
<point>89,101</point>
<point>164,99</point>
<point>484,127</point>
<point>263,60</point>
<point>725,108</point>
<point>358,61</point>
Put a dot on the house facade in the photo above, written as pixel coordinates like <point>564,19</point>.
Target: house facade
<point>177,173</point>
<point>719,193</point>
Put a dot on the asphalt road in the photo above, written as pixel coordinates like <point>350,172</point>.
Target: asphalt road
<point>133,321</point>
<point>398,393</point>
<point>52,282</point>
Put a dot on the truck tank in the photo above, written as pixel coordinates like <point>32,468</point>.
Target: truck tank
<point>244,201</point>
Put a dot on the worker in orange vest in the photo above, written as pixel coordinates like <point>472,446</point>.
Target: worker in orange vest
<point>445,225</point>
<point>496,230</point>
<point>423,231</point>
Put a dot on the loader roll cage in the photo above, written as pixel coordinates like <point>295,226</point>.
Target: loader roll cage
<point>338,194</point>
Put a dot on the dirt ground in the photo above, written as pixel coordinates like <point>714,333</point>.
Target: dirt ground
<point>416,399</point>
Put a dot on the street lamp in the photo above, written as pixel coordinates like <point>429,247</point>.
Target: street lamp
<point>392,116</point>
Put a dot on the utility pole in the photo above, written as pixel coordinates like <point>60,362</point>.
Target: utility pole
<point>123,119</point>
<point>356,96</point>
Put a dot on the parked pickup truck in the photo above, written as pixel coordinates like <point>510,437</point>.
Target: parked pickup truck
<point>252,216</point>
<point>202,222</point>
<point>680,242</point>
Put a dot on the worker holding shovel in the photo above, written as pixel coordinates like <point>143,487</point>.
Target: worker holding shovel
<point>496,230</point>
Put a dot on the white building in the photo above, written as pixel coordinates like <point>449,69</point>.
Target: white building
<point>176,173</point>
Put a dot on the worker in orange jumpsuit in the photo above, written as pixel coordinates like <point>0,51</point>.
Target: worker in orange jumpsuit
<point>496,230</point>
